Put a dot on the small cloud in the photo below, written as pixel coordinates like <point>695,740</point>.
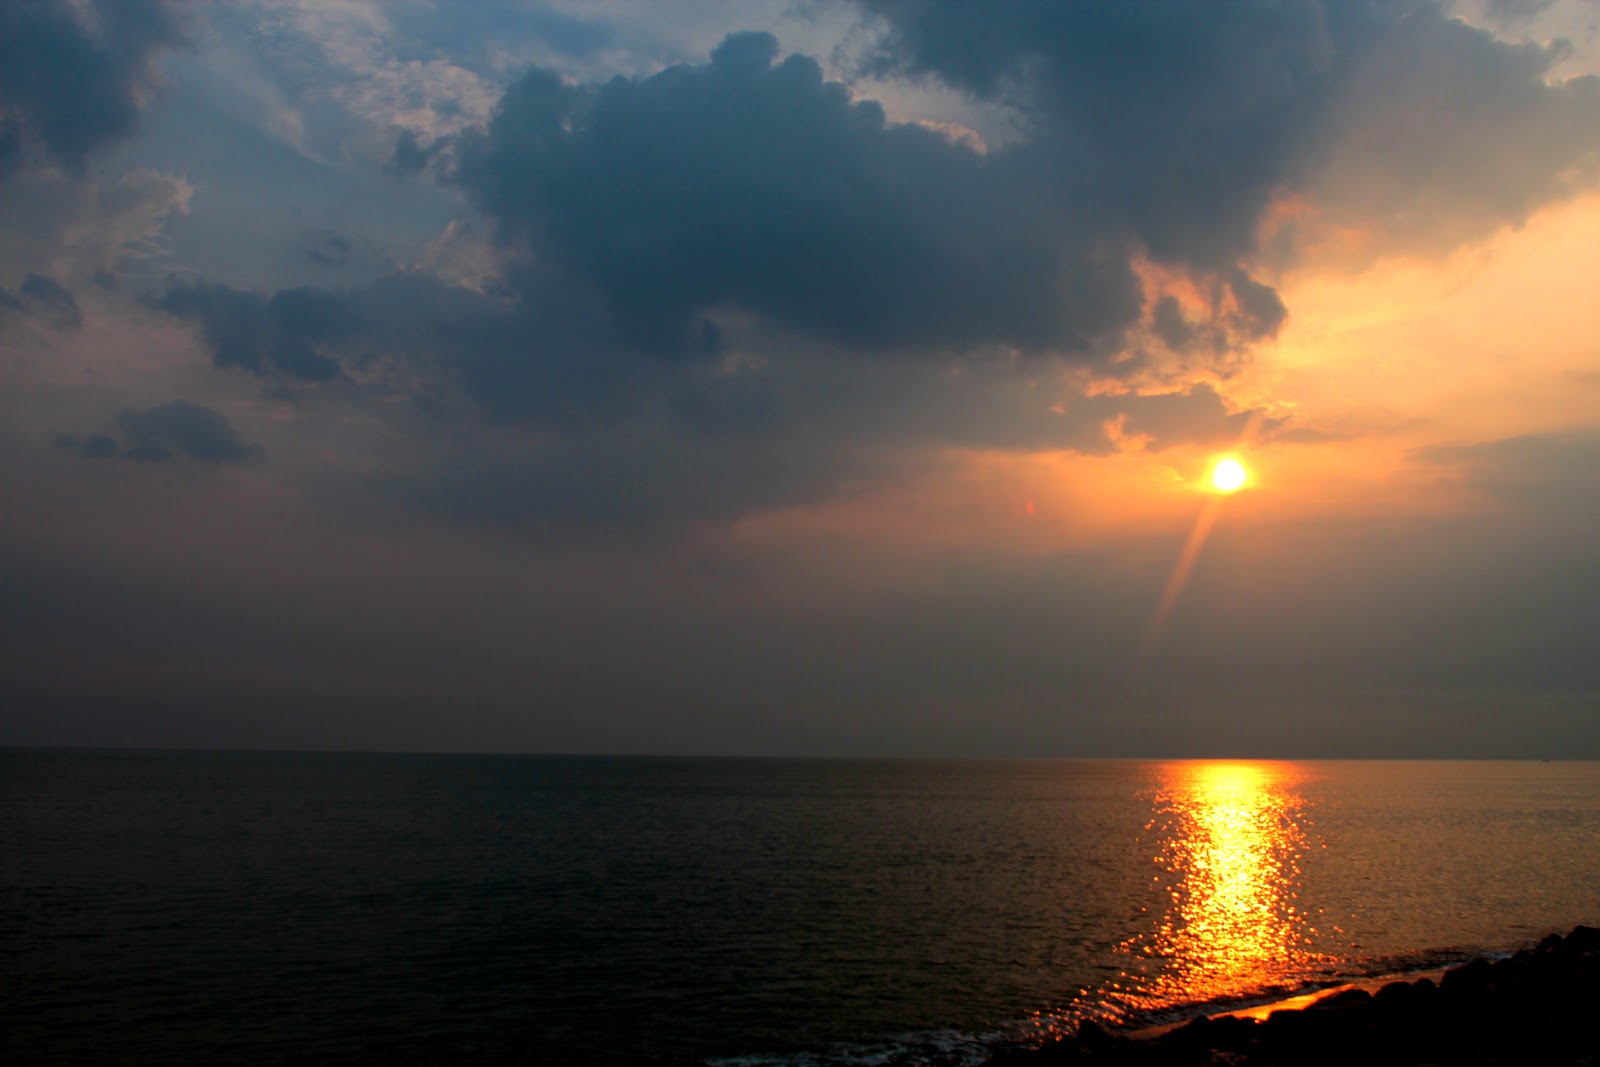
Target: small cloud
<point>95,446</point>
<point>1259,311</point>
<point>1310,435</point>
<point>48,299</point>
<point>45,299</point>
<point>282,334</point>
<point>166,432</point>
<point>74,227</point>
<point>327,248</point>
<point>1169,324</point>
<point>410,157</point>
<point>956,133</point>
<point>1517,12</point>
<point>1556,468</point>
<point>1196,415</point>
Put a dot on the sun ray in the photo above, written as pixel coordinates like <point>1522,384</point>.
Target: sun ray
<point>1227,476</point>
<point>1180,574</point>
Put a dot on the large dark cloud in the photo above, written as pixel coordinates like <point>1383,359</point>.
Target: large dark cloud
<point>1187,117</point>
<point>750,185</point>
<point>73,76</point>
<point>1182,117</point>
<point>754,185</point>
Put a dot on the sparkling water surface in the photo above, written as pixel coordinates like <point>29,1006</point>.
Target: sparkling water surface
<point>247,908</point>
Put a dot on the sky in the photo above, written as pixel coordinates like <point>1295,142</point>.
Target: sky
<point>801,377</point>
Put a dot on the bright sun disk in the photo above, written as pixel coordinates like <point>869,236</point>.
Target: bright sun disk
<point>1228,475</point>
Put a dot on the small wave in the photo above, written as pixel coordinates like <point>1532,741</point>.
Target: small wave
<point>934,1048</point>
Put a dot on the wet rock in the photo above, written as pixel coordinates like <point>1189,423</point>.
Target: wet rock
<point>1469,981</point>
<point>1095,1038</point>
<point>1199,1032</point>
<point>1305,1027</point>
<point>1551,943</point>
<point>1513,975</point>
<point>1397,997</point>
<point>1342,1000</point>
<point>1207,1034</point>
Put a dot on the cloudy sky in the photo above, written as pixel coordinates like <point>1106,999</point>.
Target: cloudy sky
<point>801,376</point>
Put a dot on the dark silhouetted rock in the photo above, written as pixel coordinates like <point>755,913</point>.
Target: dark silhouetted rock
<point>1342,1000</point>
<point>1514,974</point>
<point>1199,1032</point>
<point>1470,980</point>
<point>1396,997</point>
<point>1094,1037</point>
<point>1582,939</point>
<point>1536,1007</point>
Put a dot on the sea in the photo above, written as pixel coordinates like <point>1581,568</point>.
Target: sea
<point>246,908</point>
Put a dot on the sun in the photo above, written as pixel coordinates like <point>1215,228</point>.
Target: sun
<point>1228,475</point>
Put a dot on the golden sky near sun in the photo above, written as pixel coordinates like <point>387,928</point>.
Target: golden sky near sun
<point>1494,340</point>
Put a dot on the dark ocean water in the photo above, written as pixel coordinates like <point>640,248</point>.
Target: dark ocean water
<point>253,908</point>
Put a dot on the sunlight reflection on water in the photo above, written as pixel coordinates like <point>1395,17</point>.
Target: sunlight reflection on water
<point>1229,840</point>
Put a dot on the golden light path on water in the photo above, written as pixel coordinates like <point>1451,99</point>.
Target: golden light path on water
<point>1229,839</point>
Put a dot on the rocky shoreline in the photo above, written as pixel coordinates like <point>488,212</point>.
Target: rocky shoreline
<point>1539,1006</point>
